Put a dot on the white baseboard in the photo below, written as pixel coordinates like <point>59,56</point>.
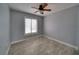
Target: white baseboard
<point>25,39</point>
<point>8,49</point>
<point>67,44</point>
<point>17,41</point>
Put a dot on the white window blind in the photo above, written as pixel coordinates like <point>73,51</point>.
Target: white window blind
<point>34,25</point>
<point>30,25</point>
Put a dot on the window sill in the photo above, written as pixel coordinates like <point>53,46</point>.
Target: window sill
<point>28,34</point>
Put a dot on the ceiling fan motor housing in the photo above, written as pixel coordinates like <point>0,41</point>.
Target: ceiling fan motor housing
<point>40,7</point>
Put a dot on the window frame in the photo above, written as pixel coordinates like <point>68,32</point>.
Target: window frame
<point>31,26</point>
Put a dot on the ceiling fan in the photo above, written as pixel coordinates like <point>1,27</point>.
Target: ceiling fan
<point>42,8</point>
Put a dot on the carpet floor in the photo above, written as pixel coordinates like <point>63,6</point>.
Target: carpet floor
<point>40,46</point>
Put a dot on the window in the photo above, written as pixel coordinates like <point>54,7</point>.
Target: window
<point>27,25</point>
<point>30,25</point>
<point>34,25</point>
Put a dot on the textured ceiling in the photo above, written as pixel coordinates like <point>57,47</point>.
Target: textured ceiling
<point>26,7</point>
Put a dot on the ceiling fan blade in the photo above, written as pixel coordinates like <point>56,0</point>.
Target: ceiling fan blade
<point>46,9</point>
<point>44,5</point>
<point>36,11</point>
<point>34,7</point>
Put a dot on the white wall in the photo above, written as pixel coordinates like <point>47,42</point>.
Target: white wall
<point>4,29</point>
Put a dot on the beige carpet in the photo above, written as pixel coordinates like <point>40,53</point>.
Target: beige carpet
<point>40,46</point>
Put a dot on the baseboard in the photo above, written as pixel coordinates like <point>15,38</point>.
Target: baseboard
<point>25,39</point>
<point>8,49</point>
<point>17,41</point>
<point>67,44</point>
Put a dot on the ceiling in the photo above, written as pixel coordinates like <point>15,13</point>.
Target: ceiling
<point>26,7</point>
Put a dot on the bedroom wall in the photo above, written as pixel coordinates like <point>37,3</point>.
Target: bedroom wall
<point>77,37</point>
<point>62,25</point>
<point>4,29</point>
<point>17,24</point>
